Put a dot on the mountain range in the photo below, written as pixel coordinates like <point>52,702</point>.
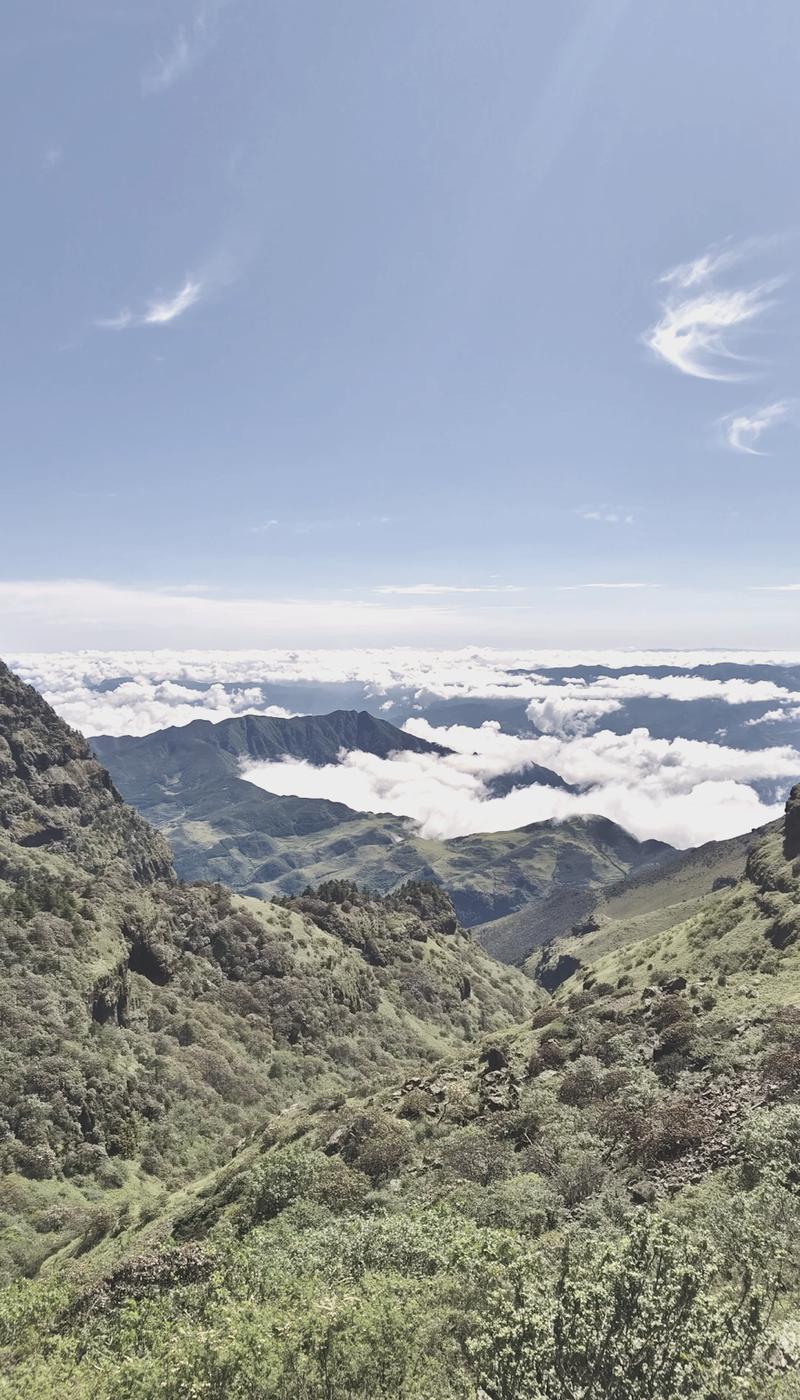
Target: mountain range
<point>188,782</point>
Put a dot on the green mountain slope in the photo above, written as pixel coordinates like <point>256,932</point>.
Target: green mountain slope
<point>650,901</point>
<point>650,897</point>
<point>186,781</point>
<point>145,1024</point>
<point>600,1201</point>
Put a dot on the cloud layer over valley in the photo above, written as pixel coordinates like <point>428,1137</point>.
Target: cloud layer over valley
<point>681,746</point>
<point>681,791</point>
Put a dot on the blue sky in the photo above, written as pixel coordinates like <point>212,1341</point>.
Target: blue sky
<point>307,303</point>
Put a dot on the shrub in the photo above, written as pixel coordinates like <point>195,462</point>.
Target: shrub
<point>526,1203</point>
<point>293,1173</point>
<point>471,1155</point>
<point>377,1144</point>
<point>641,1317</point>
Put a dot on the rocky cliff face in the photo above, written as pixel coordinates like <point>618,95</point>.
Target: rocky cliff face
<point>57,797</point>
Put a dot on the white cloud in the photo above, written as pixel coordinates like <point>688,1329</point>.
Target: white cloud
<point>608,517</point>
<point>743,430</point>
<point>692,334</point>
<point>566,714</point>
<point>575,705</point>
<point>694,331</point>
<point>776,716</point>
<point>776,588</point>
<point>428,589</point>
<point>682,791</point>
<point>159,311</point>
<point>264,527</point>
<point>409,674</point>
<point>703,268</point>
<point>140,706</point>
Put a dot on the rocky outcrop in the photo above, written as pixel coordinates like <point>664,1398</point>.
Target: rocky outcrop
<point>55,796</point>
<point>791,825</point>
<point>551,972</point>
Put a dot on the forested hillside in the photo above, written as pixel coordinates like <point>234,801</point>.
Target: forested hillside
<point>600,1201</point>
<point>146,1024</point>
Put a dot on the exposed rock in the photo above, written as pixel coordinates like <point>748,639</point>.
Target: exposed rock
<point>551,975</point>
<point>336,1141</point>
<point>791,825</point>
<point>499,1091</point>
<point>675,984</point>
<point>57,797</point>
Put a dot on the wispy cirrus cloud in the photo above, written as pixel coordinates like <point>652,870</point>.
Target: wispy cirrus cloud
<point>431,589</point>
<point>742,431</point>
<point>701,269</point>
<point>187,48</point>
<point>776,588</point>
<point>159,311</point>
<point>700,316</point>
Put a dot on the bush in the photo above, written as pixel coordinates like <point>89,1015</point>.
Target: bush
<point>377,1144</point>
<point>641,1317</point>
<point>290,1174</point>
<point>471,1155</point>
<point>526,1203</point>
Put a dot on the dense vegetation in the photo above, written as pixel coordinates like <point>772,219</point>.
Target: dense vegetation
<point>600,1202</point>
<point>146,1025</point>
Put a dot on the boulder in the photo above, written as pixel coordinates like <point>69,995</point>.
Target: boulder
<point>675,984</point>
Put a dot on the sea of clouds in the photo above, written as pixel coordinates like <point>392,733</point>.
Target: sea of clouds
<point>677,789</point>
<point>683,791</point>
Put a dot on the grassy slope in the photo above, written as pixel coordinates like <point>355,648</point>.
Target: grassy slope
<point>652,901</point>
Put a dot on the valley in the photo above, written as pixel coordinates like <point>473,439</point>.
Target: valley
<point>220,827</point>
<point>244,1138</point>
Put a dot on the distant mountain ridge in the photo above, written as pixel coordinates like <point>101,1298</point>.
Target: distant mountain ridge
<point>317,739</point>
<point>188,782</point>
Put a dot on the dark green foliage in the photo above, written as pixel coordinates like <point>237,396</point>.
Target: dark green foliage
<point>642,1317</point>
<point>146,1026</point>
